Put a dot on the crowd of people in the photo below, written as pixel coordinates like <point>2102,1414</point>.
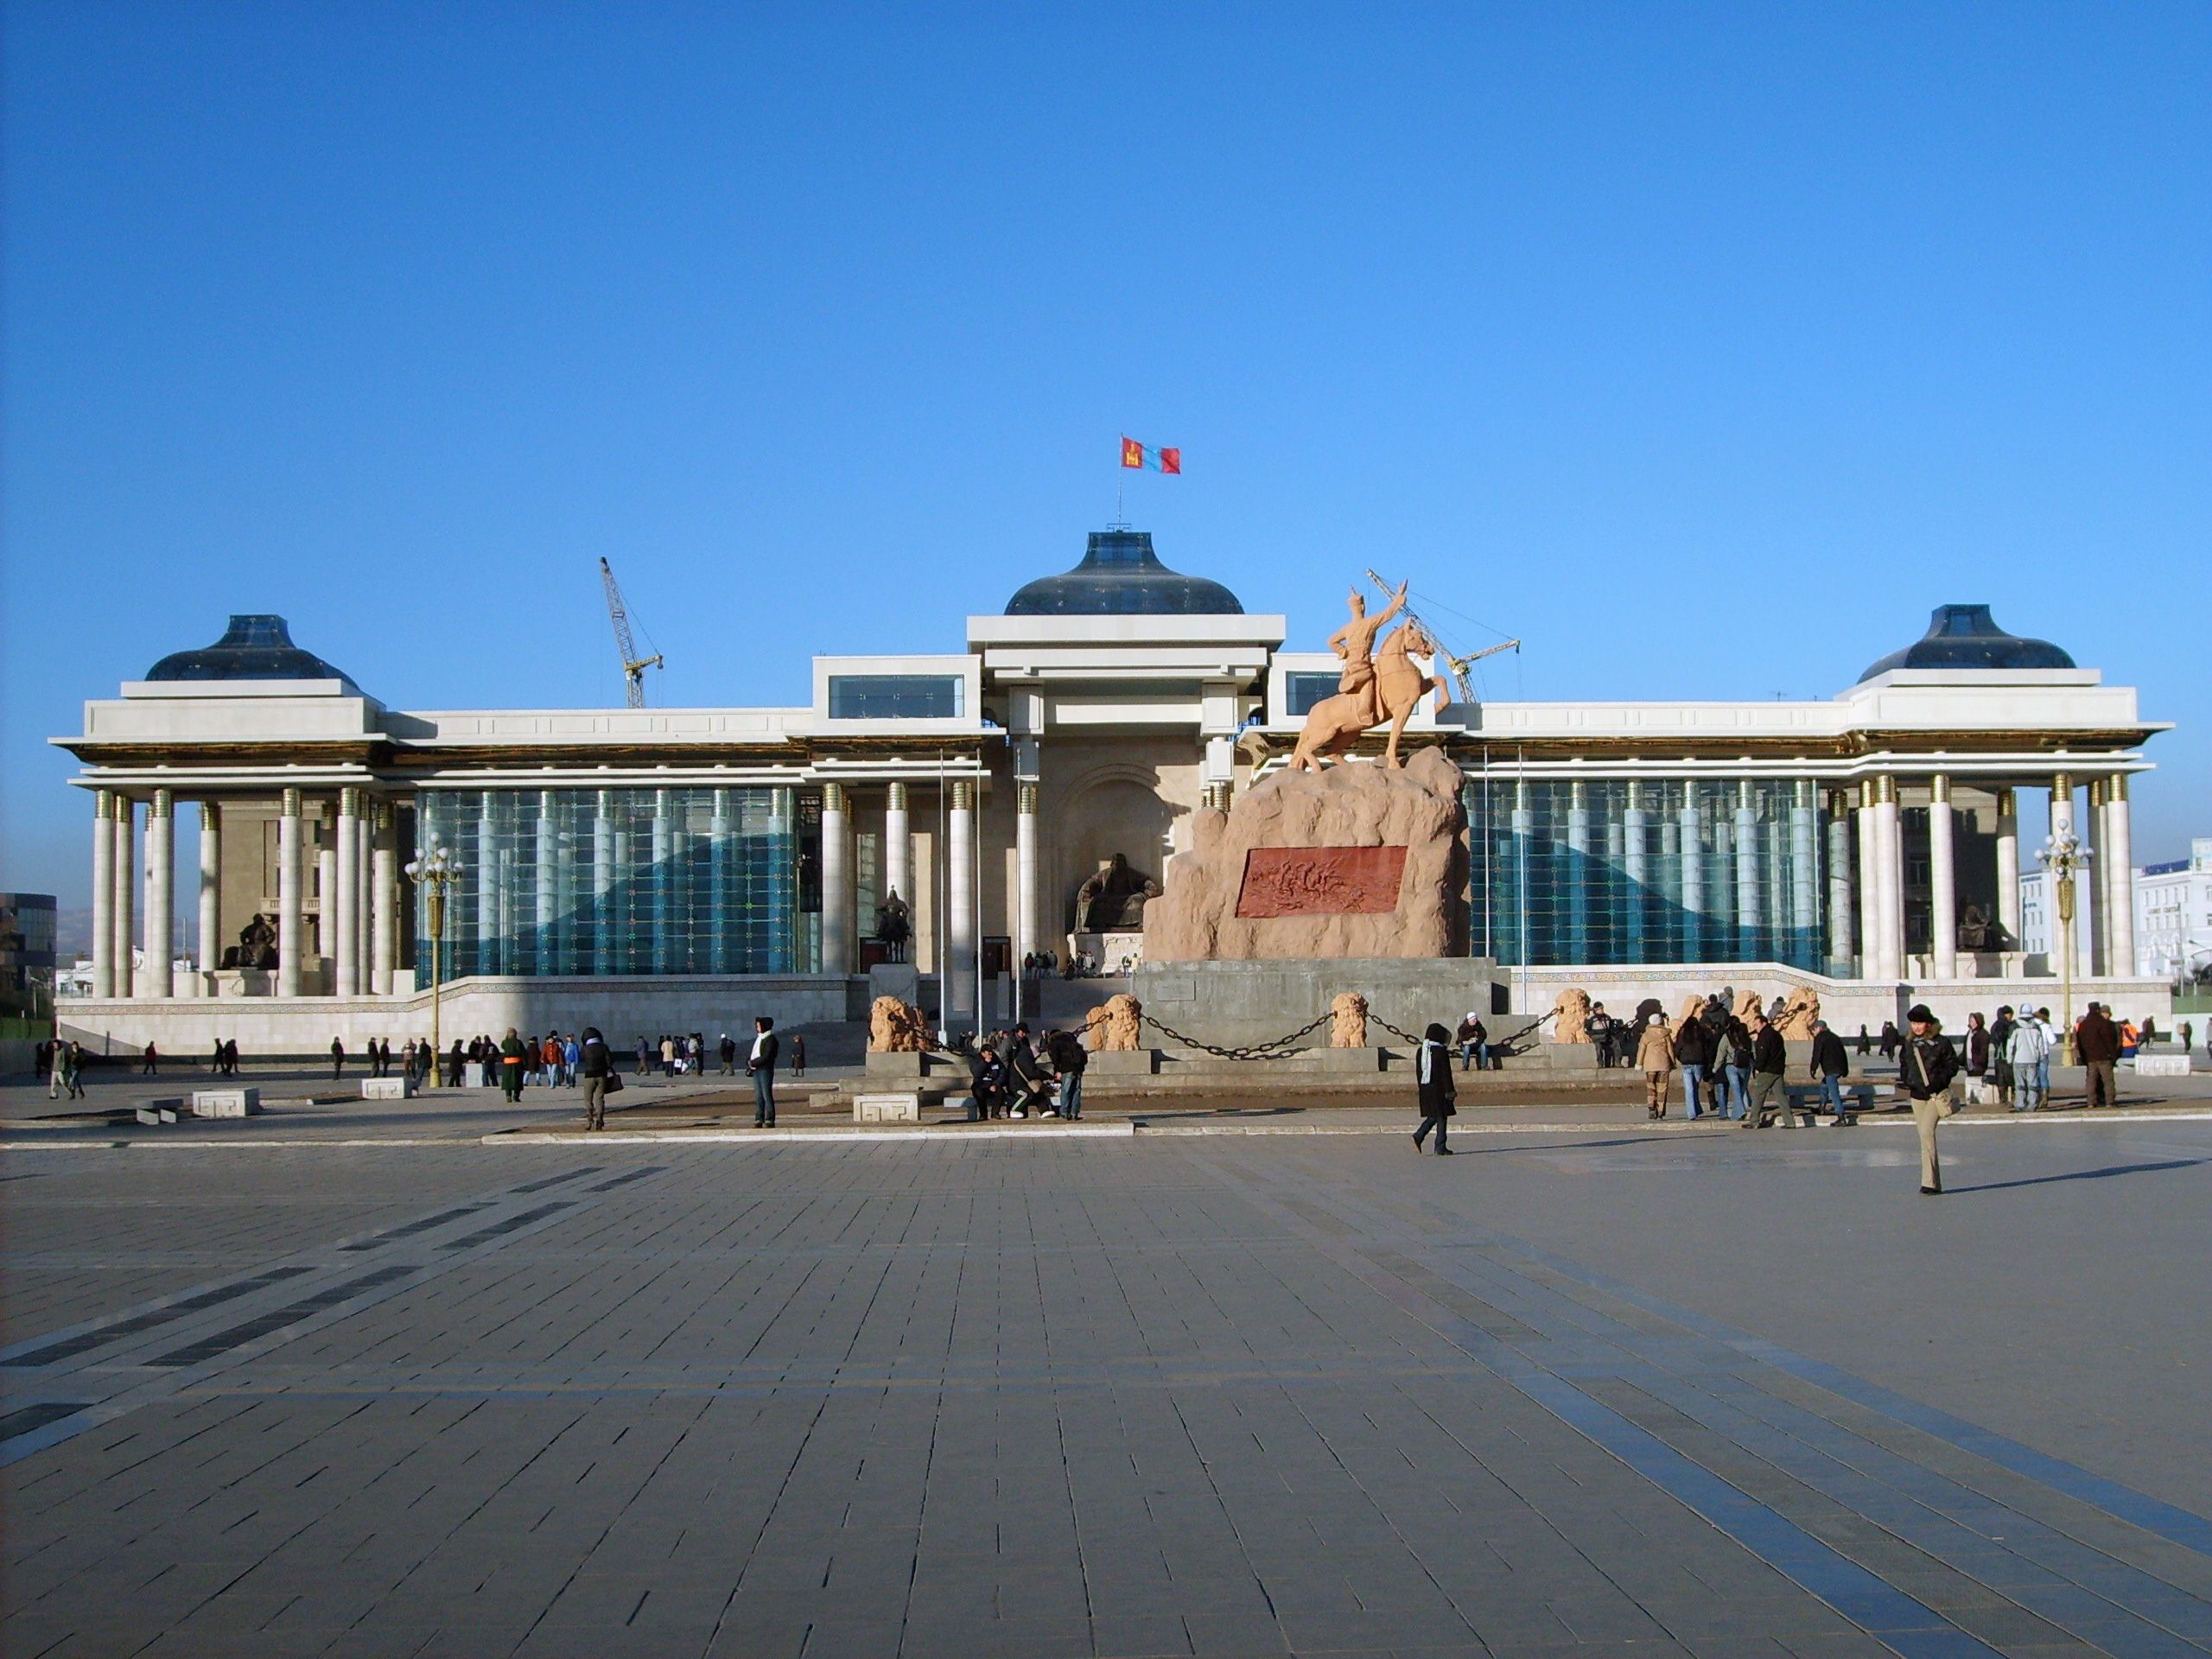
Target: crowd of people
<point>1015,1075</point>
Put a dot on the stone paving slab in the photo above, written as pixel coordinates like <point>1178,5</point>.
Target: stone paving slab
<point>1573,1393</point>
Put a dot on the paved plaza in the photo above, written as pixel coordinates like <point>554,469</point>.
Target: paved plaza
<point>1573,1391</point>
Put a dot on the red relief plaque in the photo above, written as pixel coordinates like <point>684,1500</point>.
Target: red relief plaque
<point>1320,882</point>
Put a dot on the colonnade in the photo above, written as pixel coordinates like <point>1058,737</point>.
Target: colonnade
<point>2107,892</point>
<point>359,880</point>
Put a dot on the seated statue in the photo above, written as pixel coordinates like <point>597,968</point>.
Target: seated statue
<point>1113,899</point>
<point>257,945</point>
<point>1978,932</point>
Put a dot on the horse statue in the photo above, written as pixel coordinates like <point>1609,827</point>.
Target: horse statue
<point>1334,724</point>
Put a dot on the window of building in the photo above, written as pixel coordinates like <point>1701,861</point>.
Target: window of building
<point>897,696</point>
<point>1301,691</point>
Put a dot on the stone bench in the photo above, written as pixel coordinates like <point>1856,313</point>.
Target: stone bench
<point>1806,1100</point>
<point>887,1109</point>
<point>387,1088</point>
<point>2162,1065</point>
<point>225,1103</point>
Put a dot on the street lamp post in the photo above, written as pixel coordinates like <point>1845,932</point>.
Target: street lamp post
<point>433,873</point>
<point>2064,857</point>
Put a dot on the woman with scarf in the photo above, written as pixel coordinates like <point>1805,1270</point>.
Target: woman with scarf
<point>1432,1074</point>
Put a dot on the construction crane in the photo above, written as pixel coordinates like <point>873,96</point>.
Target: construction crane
<point>1458,665</point>
<point>633,666</point>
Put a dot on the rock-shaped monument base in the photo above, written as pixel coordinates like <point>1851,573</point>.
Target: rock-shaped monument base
<point>1359,861</point>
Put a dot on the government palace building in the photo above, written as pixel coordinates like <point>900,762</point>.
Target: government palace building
<point>649,870</point>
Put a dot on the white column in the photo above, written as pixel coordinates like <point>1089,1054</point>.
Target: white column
<point>1843,926</point>
<point>343,896</point>
<point>545,923</point>
<point>1870,904</point>
<point>960,917</point>
<point>1804,861</point>
<point>2119,868</point>
<point>1889,880</point>
<point>326,882</point>
<point>1943,879</point>
<point>2008,868</point>
<point>1027,918</point>
<point>383,955</point>
<point>899,848</point>
<point>2093,906</point>
<point>103,893</point>
<point>1694,944</point>
<point>836,880</point>
<point>210,886</point>
<point>602,885</point>
<point>491,948</point>
<point>1578,866</point>
<point>1751,897</point>
<point>1636,865</point>
<point>663,873</point>
<point>720,854</point>
<point>363,891</point>
<point>291,905</point>
<point>124,928</point>
<point>2062,937</point>
<point>158,980</point>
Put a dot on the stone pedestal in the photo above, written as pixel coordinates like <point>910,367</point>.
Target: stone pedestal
<point>225,1103</point>
<point>887,1109</point>
<point>1233,1003</point>
<point>243,981</point>
<point>1122,1062</point>
<point>387,1088</point>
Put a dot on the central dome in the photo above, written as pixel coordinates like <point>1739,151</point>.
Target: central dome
<point>1120,575</point>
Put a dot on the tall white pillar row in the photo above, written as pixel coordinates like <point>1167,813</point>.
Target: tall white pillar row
<point>2119,879</point>
<point>603,884</point>
<point>2008,867</point>
<point>546,862</point>
<point>1027,929</point>
<point>103,893</point>
<point>291,898</point>
<point>1943,879</point>
<point>1889,880</point>
<point>1750,902</point>
<point>2062,937</point>
<point>384,954</point>
<point>897,847</point>
<point>1692,877</point>
<point>722,851</point>
<point>210,886</point>
<point>1635,864</point>
<point>836,880</point>
<point>341,894</point>
<point>1870,906</point>
<point>663,876</point>
<point>158,981</point>
<point>1843,928</point>
<point>960,908</point>
<point>124,920</point>
<point>2091,899</point>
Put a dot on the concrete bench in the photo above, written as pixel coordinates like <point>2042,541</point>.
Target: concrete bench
<point>1806,1100</point>
<point>887,1109</point>
<point>2162,1065</point>
<point>225,1103</point>
<point>387,1088</point>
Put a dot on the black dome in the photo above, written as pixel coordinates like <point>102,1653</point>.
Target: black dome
<point>1964,636</point>
<point>252,648</point>
<point>1120,575</point>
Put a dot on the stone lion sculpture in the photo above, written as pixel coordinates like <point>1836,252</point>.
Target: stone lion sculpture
<point>1691,1009</point>
<point>1348,1021</point>
<point>896,1027</point>
<point>1572,1009</point>
<point>1113,1026</point>
<point>1749,1003</point>
<point>1799,1009</point>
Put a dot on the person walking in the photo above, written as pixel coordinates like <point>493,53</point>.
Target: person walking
<point>760,1066</point>
<point>1831,1065</point>
<point>1438,1095</point>
<point>1655,1058</point>
<point>57,1059</point>
<point>2000,1060</point>
<point>1926,1064</point>
<point>511,1058</point>
<point>1069,1058</point>
<point>152,1066</point>
<point>1694,1053</point>
<point>798,1053</point>
<point>72,1076</point>
<point>727,1050</point>
<point>337,1058</point>
<point>1865,1043</point>
<point>1733,1057</point>
<point>1890,1038</point>
<point>2096,1043</point>
<point>1770,1061</point>
<point>2027,1051</point>
<point>596,1061</point>
<point>1977,1047</point>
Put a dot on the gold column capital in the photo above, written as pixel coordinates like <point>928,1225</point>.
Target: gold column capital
<point>2116,789</point>
<point>833,797</point>
<point>1939,788</point>
<point>103,805</point>
<point>2008,803</point>
<point>1025,798</point>
<point>2096,792</point>
<point>291,803</point>
<point>896,800</point>
<point>963,795</point>
<point>2062,784</point>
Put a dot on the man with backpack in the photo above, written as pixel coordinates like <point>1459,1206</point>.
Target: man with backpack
<point>2028,1049</point>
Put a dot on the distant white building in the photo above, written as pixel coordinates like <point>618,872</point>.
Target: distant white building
<point>2173,916</point>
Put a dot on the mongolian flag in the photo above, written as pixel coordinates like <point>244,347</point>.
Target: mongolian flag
<point>1132,453</point>
<point>1159,460</point>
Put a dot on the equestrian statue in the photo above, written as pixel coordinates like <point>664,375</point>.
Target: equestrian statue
<point>1372,690</point>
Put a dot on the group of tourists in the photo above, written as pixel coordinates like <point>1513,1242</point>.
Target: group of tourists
<point>64,1066</point>
<point>1012,1074</point>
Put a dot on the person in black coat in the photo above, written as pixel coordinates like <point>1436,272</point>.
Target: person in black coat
<point>760,1066</point>
<point>1926,1068</point>
<point>1831,1065</point>
<point>1438,1094</point>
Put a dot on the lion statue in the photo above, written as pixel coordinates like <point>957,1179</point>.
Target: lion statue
<point>1799,1009</point>
<point>1348,1021</point>
<point>1692,1007</point>
<point>1572,1009</point>
<point>896,1027</point>
<point>1113,1026</point>
<point>1749,1003</point>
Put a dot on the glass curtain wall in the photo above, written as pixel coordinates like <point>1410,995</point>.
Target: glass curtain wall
<point>582,881</point>
<point>1669,870</point>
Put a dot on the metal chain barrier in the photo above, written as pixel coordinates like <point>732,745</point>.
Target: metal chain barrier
<point>1277,1050</point>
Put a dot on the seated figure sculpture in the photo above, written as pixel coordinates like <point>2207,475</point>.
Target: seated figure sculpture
<point>257,945</point>
<point>1113,899</point>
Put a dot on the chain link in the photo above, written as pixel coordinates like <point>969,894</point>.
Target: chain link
<point>1277,1050</point>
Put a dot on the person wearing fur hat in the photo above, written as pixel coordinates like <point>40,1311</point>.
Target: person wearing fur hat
<point>1926,1065</point>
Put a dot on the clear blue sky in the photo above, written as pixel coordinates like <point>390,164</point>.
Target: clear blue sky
<point>1707,348</point>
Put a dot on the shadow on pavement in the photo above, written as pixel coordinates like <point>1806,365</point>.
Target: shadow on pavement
<point>2083,1175</point>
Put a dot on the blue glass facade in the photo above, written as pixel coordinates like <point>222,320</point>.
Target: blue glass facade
<point>1669,870</point>
<point>580,882</point>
